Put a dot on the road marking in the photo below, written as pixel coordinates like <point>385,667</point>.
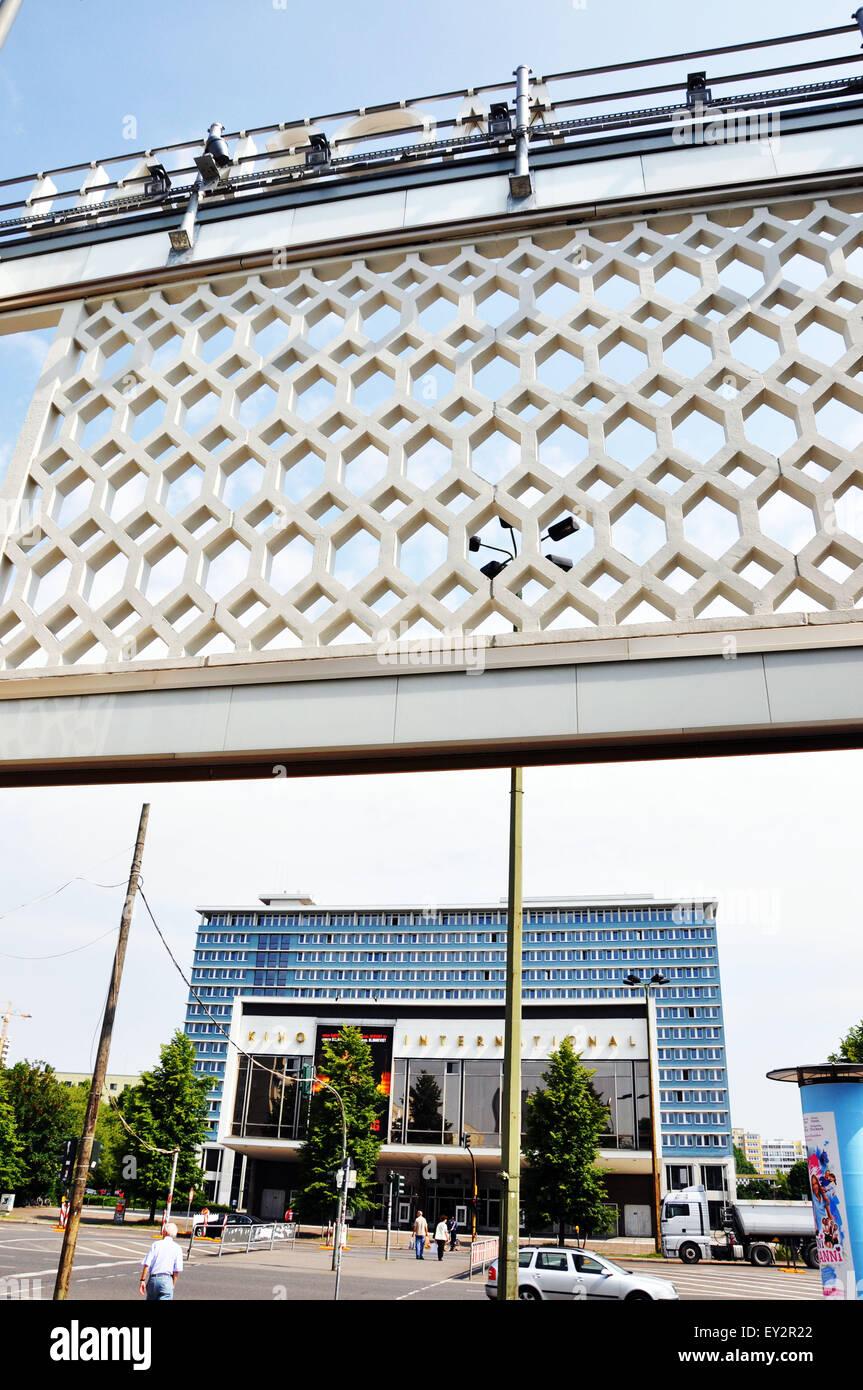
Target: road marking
<point>38,1273</point>
<point>435,1285</point>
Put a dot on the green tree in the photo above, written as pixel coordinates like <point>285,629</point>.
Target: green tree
<point>798,1181</point>
<point>109,1133</point>
<point>44,1118</point>
<point>741,1162</point>
<point>11,1148</point>
<point>167,1109</point>
<point>774,1189</point>
<point>850,1047</point>
<point>564,1122</point>
<point>347,1065</point>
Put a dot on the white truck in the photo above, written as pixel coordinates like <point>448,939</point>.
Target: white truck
<point>749,1229</point>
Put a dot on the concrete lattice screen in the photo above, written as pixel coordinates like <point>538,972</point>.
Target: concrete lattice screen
<point>293,460</point>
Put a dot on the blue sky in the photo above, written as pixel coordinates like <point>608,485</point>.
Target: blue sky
<point>71,74</point>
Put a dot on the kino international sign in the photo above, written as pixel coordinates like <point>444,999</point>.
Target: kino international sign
<point>284,391</point>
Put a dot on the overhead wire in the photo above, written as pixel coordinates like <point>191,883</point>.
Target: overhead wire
<point>9,955</point>
<point>76,878</point>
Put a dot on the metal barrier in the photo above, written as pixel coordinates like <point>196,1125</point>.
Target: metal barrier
<point>243,1238</point>
<point>482,1252</point>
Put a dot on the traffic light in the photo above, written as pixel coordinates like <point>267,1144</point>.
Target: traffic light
<point>95,1153</point>
<point>400,1184</point>
<point>70,1149</point>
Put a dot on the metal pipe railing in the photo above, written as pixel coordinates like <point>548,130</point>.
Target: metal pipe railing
<point>56,208</point>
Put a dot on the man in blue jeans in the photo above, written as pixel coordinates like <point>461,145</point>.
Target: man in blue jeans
<point>421,1230</point>
<point>163,1263</point>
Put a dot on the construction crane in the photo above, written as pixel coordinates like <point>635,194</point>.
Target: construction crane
<point>4,1032</point>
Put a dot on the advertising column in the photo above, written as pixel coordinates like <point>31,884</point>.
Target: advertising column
<point>832,1099</point>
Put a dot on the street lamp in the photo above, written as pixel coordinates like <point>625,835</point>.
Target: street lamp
<point>636,982</point>
<point>510,1137</point>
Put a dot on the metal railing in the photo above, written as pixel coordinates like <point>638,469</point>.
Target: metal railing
<point>241,1239</point>
<point>441,128</point>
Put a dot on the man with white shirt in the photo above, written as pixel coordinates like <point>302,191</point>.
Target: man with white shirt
<point>163,1263</point>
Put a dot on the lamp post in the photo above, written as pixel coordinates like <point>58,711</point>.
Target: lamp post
<point>636,982</point>
<point>510,1138</point>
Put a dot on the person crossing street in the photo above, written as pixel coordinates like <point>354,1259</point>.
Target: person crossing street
<point>421,1231</point>
<point>441,1236</point>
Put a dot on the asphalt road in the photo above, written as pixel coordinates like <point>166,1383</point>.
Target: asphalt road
<point>107,1268</point>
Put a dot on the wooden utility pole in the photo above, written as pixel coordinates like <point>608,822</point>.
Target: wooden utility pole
<point>82,1167</point>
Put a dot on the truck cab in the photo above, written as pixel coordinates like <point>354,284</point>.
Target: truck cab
<point>685,1225</point>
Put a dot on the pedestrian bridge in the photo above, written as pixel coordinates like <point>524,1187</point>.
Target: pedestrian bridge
<point>294,371</point>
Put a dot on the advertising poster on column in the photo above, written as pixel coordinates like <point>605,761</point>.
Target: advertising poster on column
<point>828,1200</point>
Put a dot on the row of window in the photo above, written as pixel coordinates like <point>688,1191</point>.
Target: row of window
<point>658,936</point>
<point>679,917</point>
<point>679,1054</point>
<point>681,1140</point>
<point>692,1097</point>
<point>690,1032</point>
<point>690,1074</point>
<point>695,1117</point>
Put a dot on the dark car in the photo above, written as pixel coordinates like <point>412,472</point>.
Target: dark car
<point>219,1219</point>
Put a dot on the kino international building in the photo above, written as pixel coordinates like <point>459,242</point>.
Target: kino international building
<point>427,989</point>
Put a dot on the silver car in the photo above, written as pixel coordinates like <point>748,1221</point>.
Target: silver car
<point>552,1272</point>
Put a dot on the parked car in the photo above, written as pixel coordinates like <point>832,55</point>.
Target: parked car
<point>549,1272</point>
<point>219,1219</point>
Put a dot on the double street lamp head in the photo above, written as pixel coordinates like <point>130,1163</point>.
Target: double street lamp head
<point>558,531</point>
<point>637,983</point>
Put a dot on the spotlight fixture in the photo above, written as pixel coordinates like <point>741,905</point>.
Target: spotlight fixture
<point>559,530</point>
<point>214,163</point>
<point>697,90</point>
<point>474,543</point>
<point>159,182</point>
<point>499,119</point>
<point>563,562</point>
<point>493,568</point>
<point>318,154</point>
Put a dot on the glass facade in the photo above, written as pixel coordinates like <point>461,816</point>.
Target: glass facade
<point>572,952</point>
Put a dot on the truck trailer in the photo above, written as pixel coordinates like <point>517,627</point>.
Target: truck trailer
<point>750,1230</point>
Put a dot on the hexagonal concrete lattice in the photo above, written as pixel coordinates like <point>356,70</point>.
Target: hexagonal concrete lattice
<point>638,534</point>
<point>630,443</point>
<point>786,520</point>
<point>698,435</point>
<point>355,556</point>
<point>495,457</point>
<point>711,527</point>
<point>265,459</point>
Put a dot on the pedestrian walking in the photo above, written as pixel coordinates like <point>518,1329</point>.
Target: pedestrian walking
<point>441,1235</point>
<point>421,1231</point>
<point>163,1263</point>
<point>452,1225</point>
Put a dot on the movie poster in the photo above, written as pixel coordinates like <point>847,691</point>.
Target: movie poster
<point>830,1206</point>
<point>380,1041</point>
